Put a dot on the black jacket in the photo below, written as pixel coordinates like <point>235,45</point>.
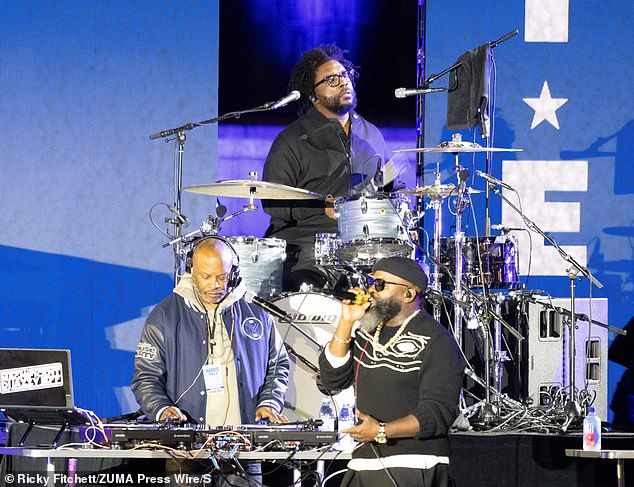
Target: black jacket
<point>312,153</point>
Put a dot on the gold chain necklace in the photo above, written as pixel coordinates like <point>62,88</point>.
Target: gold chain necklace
<point>382,348</point>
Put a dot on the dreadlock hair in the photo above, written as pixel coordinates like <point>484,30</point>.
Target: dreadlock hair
<point>303,73</point>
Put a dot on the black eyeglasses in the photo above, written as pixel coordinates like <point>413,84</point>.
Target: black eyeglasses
<point>379,284</point>
<point>335,80</point>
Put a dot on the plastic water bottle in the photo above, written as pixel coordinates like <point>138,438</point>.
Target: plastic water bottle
<point>327,415</point>
<point>346,420</point>
<point>591,431</point>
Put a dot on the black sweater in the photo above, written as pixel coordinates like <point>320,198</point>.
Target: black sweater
<point>313,153</point>
<point>420,374</point>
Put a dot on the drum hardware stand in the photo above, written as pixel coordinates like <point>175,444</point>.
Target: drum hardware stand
<point>436,203</point>
<point>489,411</point>
<point>499,356</point>
<point>572,407</point>
<point>463,175</point>
<point>180,138</point>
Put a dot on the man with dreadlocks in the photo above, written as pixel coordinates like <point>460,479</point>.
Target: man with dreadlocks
<point>330,150</point>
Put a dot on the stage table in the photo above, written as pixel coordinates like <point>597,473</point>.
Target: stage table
<point>619,455</point>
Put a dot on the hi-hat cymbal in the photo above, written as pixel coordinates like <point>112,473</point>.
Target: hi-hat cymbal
<point>438,191</point>
<point>263,190</point>
<point>435,191</point>
<point>459,146</point>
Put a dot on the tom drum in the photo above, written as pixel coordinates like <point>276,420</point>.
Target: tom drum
<point>372,227</point>
<point>261,263</point>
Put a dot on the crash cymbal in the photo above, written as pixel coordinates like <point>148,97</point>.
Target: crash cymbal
<point>459,146</point>
<point>263,190</point>
<point>438,191</point>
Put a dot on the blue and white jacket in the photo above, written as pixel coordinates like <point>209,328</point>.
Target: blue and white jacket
<point>173,350</point>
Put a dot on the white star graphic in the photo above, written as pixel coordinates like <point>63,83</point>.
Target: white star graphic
<point>545,107</point>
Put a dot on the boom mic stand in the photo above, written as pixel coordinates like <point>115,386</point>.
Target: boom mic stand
<point>572,407</point>
<point>180,138</point>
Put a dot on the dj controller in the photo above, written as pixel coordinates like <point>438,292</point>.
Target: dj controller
<point>275,437</point>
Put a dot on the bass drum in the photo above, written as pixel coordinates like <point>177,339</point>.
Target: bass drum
<point>317,316</point>
<point>261,263</point>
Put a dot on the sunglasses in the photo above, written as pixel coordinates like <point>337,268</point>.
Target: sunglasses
<point>379,284</point>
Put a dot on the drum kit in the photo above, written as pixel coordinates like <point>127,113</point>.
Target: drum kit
<point>370,227</point>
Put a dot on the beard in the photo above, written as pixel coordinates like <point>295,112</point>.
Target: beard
<point>209,297</point>
<point>336,105</point>
<point>382,311</point>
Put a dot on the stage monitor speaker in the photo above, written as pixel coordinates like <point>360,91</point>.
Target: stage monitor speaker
<point>548,351</point>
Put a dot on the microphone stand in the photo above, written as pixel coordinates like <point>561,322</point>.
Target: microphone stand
<point>180,138</point>
<point>572,407</point>
<point>485,133</point>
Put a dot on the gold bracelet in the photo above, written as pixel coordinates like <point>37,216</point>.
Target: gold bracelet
<point>339,340</point>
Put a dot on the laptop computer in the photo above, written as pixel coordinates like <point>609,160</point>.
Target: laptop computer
<point>36,386</point>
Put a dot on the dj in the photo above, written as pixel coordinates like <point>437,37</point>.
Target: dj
<point>407,370</point>
<point>208,356</point>
<point>330,150</point>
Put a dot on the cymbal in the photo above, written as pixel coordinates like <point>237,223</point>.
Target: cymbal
<point>459,146</point>
<point>263,190</point>
<point>438,191</point>
<point>435,191</point>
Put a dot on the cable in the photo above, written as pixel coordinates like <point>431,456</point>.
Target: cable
<point>387,471</point>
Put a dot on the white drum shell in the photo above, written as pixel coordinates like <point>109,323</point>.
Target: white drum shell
<point>371,228</point>
<point>261,263</point>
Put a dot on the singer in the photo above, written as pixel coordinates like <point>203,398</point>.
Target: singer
<point>207,356</point>
<point>407,371</point>
<point>331,150</point>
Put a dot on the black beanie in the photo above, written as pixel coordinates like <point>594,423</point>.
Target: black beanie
<point>404,268</point>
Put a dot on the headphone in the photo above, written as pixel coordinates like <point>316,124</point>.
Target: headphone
<point>234,278</point>
<point>408,294</point>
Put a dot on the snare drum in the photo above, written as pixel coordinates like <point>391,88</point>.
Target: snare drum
<point>326,245</point>
<point>499,262</point>
<point>261,263</point>
<point>317,316</point>
<point>372,227</point>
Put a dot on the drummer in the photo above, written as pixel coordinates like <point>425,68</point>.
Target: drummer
<point>330,150</point>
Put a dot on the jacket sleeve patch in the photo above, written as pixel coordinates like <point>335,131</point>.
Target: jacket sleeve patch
<point>146,351</point>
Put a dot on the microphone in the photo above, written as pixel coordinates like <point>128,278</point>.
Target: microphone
<point>463,175</point>
<point>341,295</point>
<point>252,298</point>
<point>493,180</point>
<point>504,229</point>
<point>221,211</point>
<point>182,219</point>
<point>378,176</point>
<point>403,92</point>
<point>292,96</point>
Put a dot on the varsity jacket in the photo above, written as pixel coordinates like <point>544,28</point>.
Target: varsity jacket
<point>173,350</point>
